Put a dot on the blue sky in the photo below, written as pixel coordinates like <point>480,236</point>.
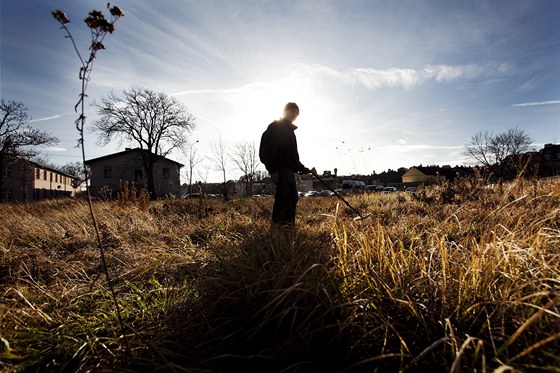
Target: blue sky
<point>380,84</point>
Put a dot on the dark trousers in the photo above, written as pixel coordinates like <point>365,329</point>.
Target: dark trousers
<point>285,199</point>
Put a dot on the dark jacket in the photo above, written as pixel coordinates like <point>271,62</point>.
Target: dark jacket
<point>280,147</point>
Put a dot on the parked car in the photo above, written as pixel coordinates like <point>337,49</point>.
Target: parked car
<point>389,190</point>
<point>353,186</point>
<point>311,193</point>
<point>410,189</point>
<point>325,192</point>
<point>373,188</point>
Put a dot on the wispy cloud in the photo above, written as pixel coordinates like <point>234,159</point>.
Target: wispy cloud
<point>409,78</point>
<point>48,118</point>
<point>55,149</point>
<point>538,103</point>
<point>369,77</point>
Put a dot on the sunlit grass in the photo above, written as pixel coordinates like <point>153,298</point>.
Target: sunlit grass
<point>454,277</point>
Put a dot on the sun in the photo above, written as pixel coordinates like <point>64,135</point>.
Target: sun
<point>258,104</point>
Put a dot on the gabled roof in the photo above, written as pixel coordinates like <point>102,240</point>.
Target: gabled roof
<point>445,171</point>
<point>128,151</point>
<point>432,171</point>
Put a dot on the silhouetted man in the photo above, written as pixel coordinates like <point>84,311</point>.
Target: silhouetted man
<point>279,153</point>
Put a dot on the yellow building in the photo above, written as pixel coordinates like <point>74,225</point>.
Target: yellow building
<point>421,175</point>
<point>26,181</point>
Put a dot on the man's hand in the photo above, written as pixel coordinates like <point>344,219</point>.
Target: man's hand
<point>274,178</point>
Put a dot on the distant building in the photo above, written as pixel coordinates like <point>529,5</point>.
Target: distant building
<point>431,174</point>
<point>420,175</point>
<point>26,181</point>
<point>110,173</point>
<point>550,160</point>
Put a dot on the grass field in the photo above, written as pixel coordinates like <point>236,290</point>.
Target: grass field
<point>456,277</point>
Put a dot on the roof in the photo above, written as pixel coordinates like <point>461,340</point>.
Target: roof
<point>431,170</point>
<point>446,171</point>
<point>128,151</point>
<point>48,168</point>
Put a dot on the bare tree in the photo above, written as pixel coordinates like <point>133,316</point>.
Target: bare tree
<point>202,173</point>
<point>492,150</point>
<point>246,158</point>
<point>74,169</point>
<point>479,149</point>
<point>154,121</point>
<point>219,156</point>
<point>17,138</point>
<point>193,159</point>
<point>512,142</point>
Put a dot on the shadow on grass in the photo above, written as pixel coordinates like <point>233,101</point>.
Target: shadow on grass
<point>269,304</point>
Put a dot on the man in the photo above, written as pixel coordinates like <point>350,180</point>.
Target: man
<point>278,152</point>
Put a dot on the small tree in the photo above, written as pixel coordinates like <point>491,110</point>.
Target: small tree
<point>491,150</point>
<point>219,157</point>
<point>246,158</point>
<point>17,138</point>
<point>193,159</point>
<point>154,121</point>
<point>76,169</point>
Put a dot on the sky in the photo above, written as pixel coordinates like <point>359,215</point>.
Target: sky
<point>380,84</point>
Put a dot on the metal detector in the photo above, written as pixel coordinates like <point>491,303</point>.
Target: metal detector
<point>360,215</point>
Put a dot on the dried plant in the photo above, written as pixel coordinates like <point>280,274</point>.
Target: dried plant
<point>99,27</point>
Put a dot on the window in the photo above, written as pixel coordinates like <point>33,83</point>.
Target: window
<point>44,174</point>
<point>7,171</point>
<point>56,178</point>
<point>108,172</point>
<point>37,173</point>
<point>166,172</point>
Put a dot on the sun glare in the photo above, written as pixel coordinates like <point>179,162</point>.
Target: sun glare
<point>256,105</point>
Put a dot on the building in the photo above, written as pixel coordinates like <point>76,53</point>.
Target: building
<point>110,173</point>
<point>432,174</point>
<point>550,160</point>
<point>421,175</point>
<point>26,181</point>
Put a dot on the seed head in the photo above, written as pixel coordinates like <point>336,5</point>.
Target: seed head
<point>61,17</point>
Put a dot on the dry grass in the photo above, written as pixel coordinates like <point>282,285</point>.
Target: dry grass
<point>457,277</point>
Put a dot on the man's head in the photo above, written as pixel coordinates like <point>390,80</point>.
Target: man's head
<point>291,111</point>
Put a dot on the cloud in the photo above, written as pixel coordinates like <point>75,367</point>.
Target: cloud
<point>538,103</point>
<point>369,77</point>
<point>48,118</point>
<point>409,78</point>
<point>55,149</point>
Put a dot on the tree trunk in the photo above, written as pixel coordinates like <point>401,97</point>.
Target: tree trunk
<point>148,160</point>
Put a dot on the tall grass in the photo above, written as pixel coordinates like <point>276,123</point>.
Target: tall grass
<point>457,277</point>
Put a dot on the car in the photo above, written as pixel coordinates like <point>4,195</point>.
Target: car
<point>410,189</point>
<point>343,191</point>
<point>311,193</point>
<point>325,192</point>
<point>373,188</point>
<point>353,186</point>
<point>389,190</point>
